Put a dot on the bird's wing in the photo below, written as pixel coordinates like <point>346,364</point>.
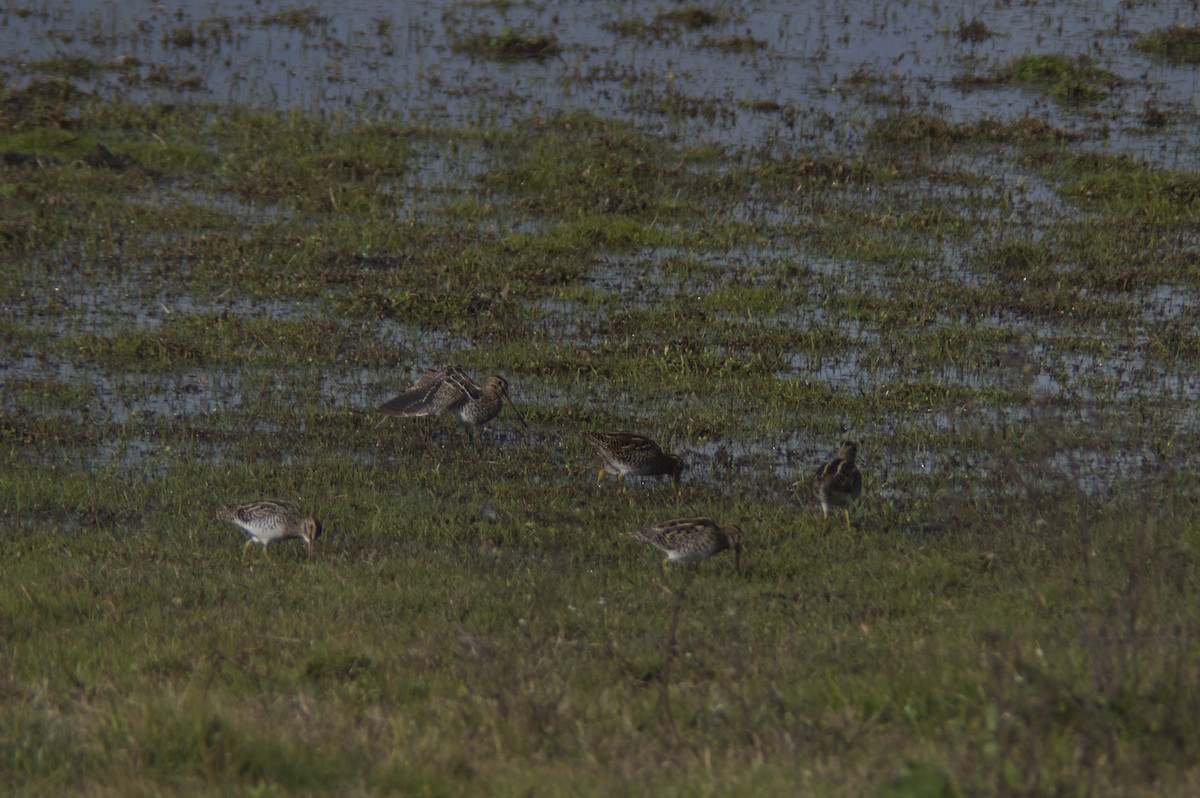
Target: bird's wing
<point>435,392</point>
<point>841,476</point>
<point>468,386</point>
<point>828,470</point>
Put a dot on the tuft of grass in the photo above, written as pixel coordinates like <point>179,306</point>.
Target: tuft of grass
<point>303,20</point>
<point>1125,187</point>
<point>974,31</point>
<point>668,25</point>
<point>691,17</point>
<point>579,165</point>
<point>916,127</point>
<point>1076,80</point>
<point>1179,44</point>
<point>735,44</point>
<point>76,67</point>
<point>41,101</point>
<point>208,32</point>
<point>510,45</point>
<point>188,340</point>
<point>1153,117</point>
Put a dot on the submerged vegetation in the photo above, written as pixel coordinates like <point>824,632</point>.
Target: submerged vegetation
<point>205,304</point>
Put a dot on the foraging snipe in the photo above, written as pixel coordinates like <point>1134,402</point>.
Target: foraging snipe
<point>838,482</point>
<point>690,540</point>
<point>626,454</point>
<point>268,521</point>
<point>452,391</point>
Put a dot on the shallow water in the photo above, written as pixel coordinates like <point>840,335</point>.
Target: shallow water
<point>818,77</point>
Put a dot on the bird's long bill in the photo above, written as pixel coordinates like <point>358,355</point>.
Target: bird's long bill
<point>515,410</point>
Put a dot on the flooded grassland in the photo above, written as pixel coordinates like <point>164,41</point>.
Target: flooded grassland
<point>968,241</point>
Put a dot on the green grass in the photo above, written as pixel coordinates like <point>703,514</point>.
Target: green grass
<point>690,17</point>
<point>1074,81</point>
<point>510,45</point>
<point>1179,44</point>
<point>448,650</point>
<point>1078,80</point>
<point>214,316</point>
<point>301,19</point>
<point>919,128</point>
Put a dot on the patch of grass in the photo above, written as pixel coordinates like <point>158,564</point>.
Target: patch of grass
<point>916,127</point>
<point>41,101</point>
<point>306,166</point>
<point>1020,260</point>
<point>577,164</point>
<point>297,19</point>
<point>183,340</point>
<point>183,36</point>
<point>510,45</point>
<point>1075,80</point>
<point>974,31</point>
<point>822,170</point>
<point>628,27</point>
<point>1179,44</point>
<point>735,44</point>
<point>668,25</point>
<point>44,394</point>
<point>691,17</point>
<point>1125,187</point>
<point>1154,117</point>
<point>76,67</point>
<point>209,32</point>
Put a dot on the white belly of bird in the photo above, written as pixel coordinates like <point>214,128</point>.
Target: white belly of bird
<point>263,533</point>
<point>625,470</point>
<point>685,557</point>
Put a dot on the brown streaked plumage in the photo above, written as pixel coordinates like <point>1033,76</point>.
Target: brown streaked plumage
<point>838,482</point>
<point>268,521</point>
<point>626,454</point>
<point>452,391</point>
<point>690,540</point>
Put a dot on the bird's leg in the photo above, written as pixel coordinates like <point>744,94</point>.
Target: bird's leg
<point>662,570</point>
<point>246,548</point>
<point>600,476</point>
<point>826,524</point>
<point>847,511</point>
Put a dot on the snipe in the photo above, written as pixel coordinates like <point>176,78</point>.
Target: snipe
<point>268,521</point>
